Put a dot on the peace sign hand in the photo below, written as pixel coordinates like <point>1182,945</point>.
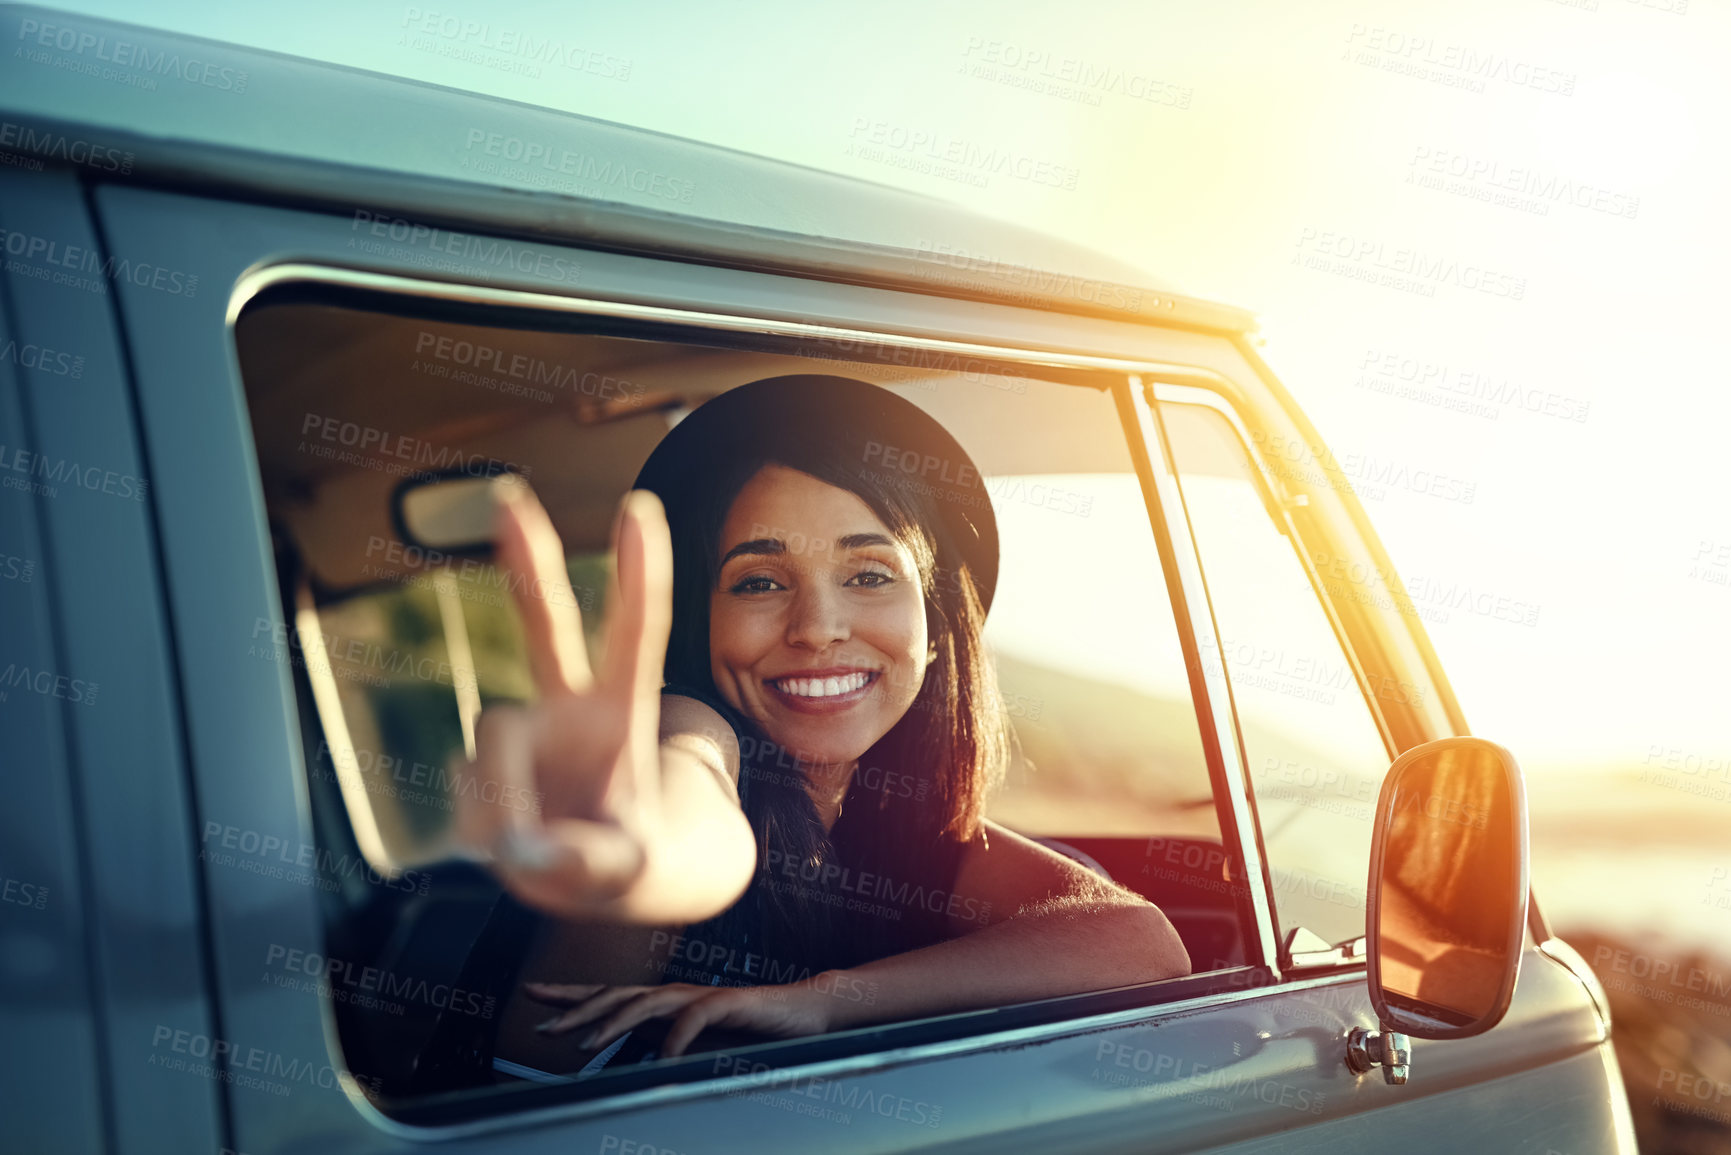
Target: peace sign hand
<point>589,744</point>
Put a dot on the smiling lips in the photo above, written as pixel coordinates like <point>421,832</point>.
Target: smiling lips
<point>822,691</point>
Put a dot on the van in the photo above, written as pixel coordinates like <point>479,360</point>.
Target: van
<point>249,302</point>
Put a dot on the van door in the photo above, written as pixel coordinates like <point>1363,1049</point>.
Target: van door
<point>101,921</point>
<point>1251,1052</point>
<point>1316,718</point>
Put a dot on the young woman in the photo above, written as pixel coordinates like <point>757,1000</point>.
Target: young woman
<point>785,755</point>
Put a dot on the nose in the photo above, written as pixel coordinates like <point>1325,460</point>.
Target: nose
<point>817,619</point>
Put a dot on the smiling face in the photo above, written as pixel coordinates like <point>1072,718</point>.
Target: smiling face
<point>817,624</point>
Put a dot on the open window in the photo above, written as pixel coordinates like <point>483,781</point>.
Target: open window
<point>1316,751</point>
<point>395,649</point>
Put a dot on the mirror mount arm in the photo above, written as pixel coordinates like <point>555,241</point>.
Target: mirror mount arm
<point>1390,1050</point>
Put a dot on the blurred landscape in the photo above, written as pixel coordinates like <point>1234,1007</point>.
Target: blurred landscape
<point>1630,868</point>
<point>1631,865</point>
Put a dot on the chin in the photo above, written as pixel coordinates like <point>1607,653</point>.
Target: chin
<point>827,749</point>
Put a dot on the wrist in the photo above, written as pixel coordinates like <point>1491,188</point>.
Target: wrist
<point>843,998</point>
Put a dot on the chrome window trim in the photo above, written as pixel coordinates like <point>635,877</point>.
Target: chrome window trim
<point>1217,402</point>
<point>1133,371</point>
<point>1190,394</point>
<point>1198,631</point>
<point>723,1086</point>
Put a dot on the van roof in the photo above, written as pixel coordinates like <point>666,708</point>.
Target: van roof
<point>201,114</point>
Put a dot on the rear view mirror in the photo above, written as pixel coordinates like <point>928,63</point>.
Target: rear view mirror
<point>1447,902</point>
<point>449,513</point>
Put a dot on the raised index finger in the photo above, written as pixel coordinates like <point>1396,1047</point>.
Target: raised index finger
<point>530,553</point>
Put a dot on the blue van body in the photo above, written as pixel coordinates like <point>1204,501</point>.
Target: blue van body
<point>154,184</point>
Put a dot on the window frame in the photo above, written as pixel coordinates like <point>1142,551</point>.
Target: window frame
<point>1279,503</point>
<point>938,1036</point>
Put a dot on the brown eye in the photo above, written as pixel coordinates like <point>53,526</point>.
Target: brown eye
<point>877,579</point>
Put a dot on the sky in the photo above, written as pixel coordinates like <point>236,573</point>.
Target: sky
<point>1308,162</point>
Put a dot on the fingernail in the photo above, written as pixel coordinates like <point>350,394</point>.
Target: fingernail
<point>588,1039</point>
<point>544,1027</point>
<point>643,502</point>
<point>527,850</point>
<point>508,488</point>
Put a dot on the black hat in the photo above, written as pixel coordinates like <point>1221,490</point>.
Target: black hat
<point>894,439</point>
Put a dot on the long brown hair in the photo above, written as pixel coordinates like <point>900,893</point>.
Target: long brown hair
<point>943,755</point>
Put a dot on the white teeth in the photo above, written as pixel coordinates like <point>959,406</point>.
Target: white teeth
<point>822,687</point>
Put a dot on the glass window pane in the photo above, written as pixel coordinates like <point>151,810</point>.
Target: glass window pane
<point>1316,755</point>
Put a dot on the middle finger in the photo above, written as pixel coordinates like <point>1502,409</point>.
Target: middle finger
<point>533,559</point>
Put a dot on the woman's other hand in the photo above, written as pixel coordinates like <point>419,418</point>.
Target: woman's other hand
<point>602,1013</point>
<point>589,745</point>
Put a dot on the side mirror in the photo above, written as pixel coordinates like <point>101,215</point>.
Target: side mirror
<point>1447,900</point>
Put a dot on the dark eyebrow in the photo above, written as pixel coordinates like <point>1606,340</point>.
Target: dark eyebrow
<point>774,547</point>
<point>762,546</point>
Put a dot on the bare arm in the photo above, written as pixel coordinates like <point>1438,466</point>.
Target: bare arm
<point>700,860</point>
<point>1053,928</point>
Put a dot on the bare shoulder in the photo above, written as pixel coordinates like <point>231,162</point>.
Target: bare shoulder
<point>1008,873</point>
<point>693,726</point>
